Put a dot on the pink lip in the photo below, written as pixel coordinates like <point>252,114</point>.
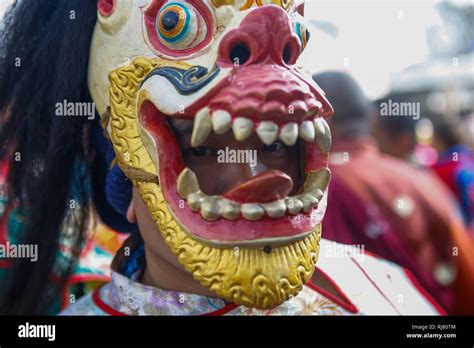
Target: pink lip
<point>221,230</point>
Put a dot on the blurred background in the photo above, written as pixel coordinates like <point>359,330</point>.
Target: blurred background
<point>421,51</point>
<point>393,45</point>
<point>400,76</point>
<point>418,52</point>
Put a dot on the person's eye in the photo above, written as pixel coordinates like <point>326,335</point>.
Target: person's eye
<point>201,151</point>
<point>277,146</point>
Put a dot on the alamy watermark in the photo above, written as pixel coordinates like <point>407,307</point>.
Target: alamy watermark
<point>334,250</point>
<point>66,108</point>
<point>237,156</point>
<point>405,109</point>
<point>28,330</point>
<point>19,251</point>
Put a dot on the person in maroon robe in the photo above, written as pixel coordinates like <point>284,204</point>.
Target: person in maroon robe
<point>393,209</point>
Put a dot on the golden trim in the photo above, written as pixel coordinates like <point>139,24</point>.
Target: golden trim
<point>219,3</point>
<point>245,276</point>
<point>125,131</point>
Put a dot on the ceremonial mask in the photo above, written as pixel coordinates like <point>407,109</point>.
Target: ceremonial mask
<point>230,67</point>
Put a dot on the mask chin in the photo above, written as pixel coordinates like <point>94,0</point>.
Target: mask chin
<point>254,277</point>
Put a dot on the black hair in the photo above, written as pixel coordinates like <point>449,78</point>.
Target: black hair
<point>352,109</point>
<point>395,126</point>
<point>448,129</point>
<point>44,52</point>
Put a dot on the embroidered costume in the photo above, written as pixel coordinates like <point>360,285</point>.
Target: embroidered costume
<point>368,286</point>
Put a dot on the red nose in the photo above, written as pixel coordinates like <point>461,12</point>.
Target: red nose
<point>265,36</point>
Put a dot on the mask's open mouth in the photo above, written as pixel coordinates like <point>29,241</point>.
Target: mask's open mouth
<point>260,212</point>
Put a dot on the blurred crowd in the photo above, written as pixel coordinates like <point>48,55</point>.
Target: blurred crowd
<point>403,183</point>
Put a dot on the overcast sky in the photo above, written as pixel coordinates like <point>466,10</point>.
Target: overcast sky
<point>374,38</point>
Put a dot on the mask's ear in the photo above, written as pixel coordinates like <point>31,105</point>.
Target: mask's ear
<point>131,215</point>
<point>106,7</point>
<point>113,14</point>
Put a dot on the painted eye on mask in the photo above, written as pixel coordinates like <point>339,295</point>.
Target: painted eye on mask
<point>178,28</point>
<point>177,25</point>
<point>302,33</point>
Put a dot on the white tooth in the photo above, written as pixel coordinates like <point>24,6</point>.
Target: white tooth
<point>229,210</point>
<point>318,179</point>
<point>311,113</point>
<point>307,131</point>
<point>221,121</point>
<point>242,128</point>
<point>268,132</point>
<point>289,133</point>
<point>322,135</point>
<point>318,194</point>
<point>309,202</point>
<point>195,201</point>
<point>294,205</point>
<point>252,211</point>
<point>210,208</point>
<point>202,127</point>
<point>187,183</point>
<point>275,209</point>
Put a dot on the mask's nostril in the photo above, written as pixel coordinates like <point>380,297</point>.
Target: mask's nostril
<point>288,54</point>
<point>239,54</point>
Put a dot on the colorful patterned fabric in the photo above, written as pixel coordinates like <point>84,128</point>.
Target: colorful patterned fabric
<point>455,167</point>
<point>93,268</point>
